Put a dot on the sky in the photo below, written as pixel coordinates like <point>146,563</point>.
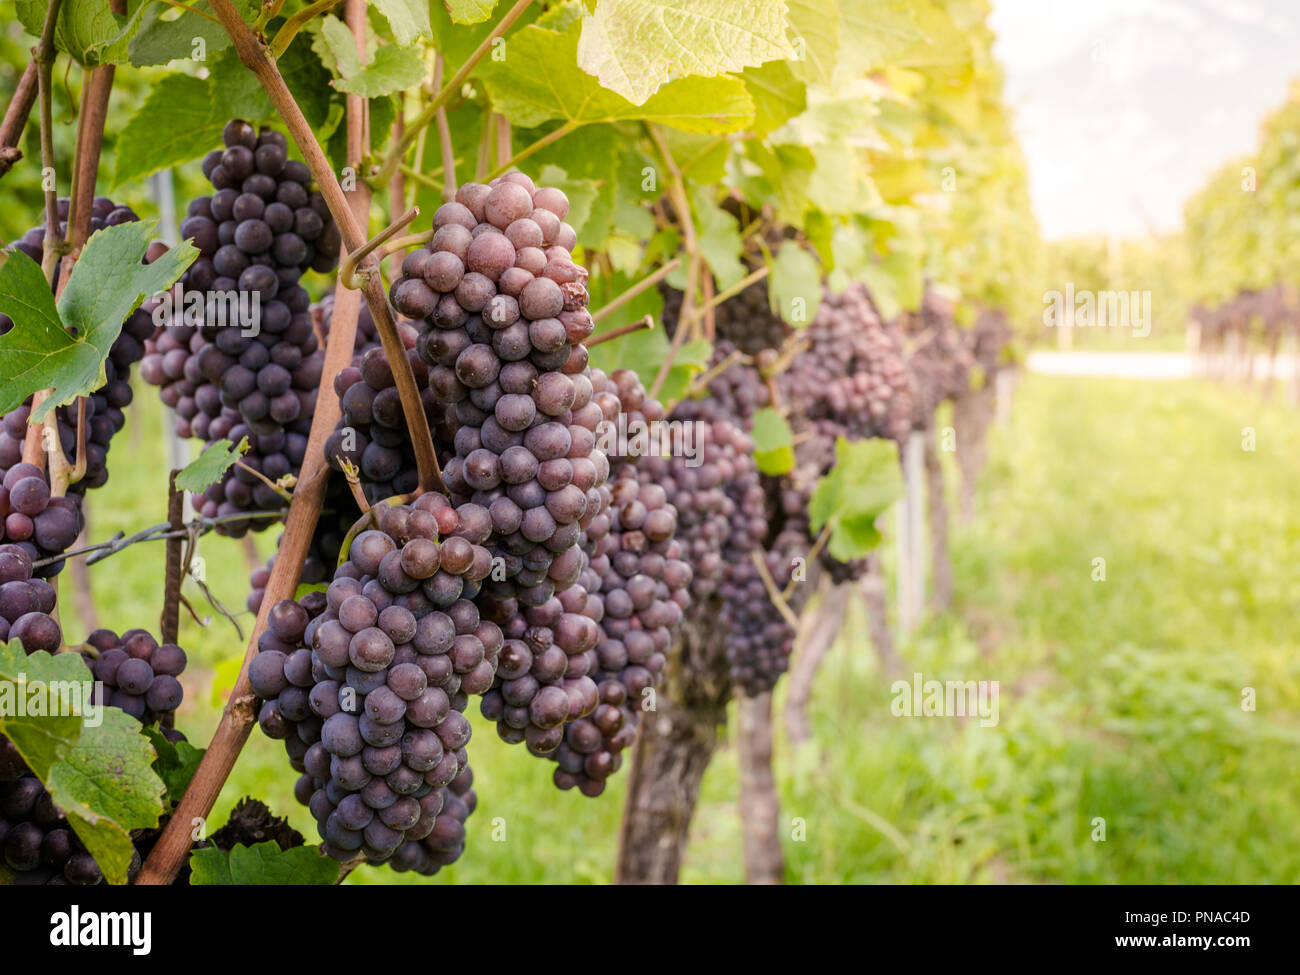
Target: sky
<point>1125,107</point>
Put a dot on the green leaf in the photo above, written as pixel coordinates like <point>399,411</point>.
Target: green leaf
<point>41,739</point>
<point>175,764</point>
<point>209,467</point>
<point>106,285</point>
<point>469,11</point>
<point>25,295</point>
<point>393,69</point>
<point>308,80</point>
<point>874,33</point>
<point>224,676</point>
<point>235,92</point>
<point>539,80</point>
<point>174,125</point>
<point>107,787</point>
<point>634,46</point>
<point>87,30</point>
<point>262,864</point>
<point>409,19</point>
<point>862,484</point>
<point>795,286</point>
<point>778,95</point>
<point>718,235</point>
<point>159,41</point>
<point>816,25</point>
<point>773,442</point>
<point>337,48</point>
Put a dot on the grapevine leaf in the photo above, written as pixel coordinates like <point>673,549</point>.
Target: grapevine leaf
<point>336,46</point>
<point>160,41</point>
<point>175,765</point>
<point>773,442</point>
<point>106,285</point>
<point>107,787</point>
<point>409,19</point>
<point>393,69</point>
<point>538,80</point>
<point>778,95</point>
<point>306,587</point>
<point>719,238</point>
<point>235,92</point>
<point>25,294</point>
<point>262,864</point>
<point>470,11</point>
<point>308,80</point>
<point>87,30</point>
<point>174,124</point>
<point>224,676</point>
<point>634,46</point>
<point>875,33</point>
<point>41,739</point>
<point>862,484</point>
<point>795,287</point>
<point>208,468</point>
<point>816,25</point>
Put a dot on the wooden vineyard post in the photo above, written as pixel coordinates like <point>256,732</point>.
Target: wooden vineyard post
<point>911,535</point>
<point>1003,387</point>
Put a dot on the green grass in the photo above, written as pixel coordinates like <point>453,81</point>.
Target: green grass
<point>1120,699</point>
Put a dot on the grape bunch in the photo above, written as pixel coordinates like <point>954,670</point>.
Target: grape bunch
<point>135,673</point>
<point>371,433</point>
<point>939,359</point>
<point>638,589</point>
<point>39,847</point>
<point>852,379</point>
<point>103,213</point>
<point>367,685</point>
<point>35,522</point>
<point>745,320</point>
<point>507,310</point>
<point>26,603</point>
<point>260,230</point>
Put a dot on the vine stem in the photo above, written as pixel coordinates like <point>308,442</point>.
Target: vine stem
<point>45,55</point>
<point>96,88</point>
<point>677,194</point>
<point>649,281</point>
<point>444,138</point>
<point>398,152</point>
<point>15,120</point>
<point>778,600</point>
<point>646,324</point>
<point>237,719</point>
<point>289,29</point>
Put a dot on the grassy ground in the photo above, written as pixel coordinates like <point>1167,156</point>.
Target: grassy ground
<point>1120,700</point>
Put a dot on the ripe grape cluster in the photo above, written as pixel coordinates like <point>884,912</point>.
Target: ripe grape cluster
<point>852,378</point>
<point>371,433</point>
<point>507,310</point>
<point>250,367</point>
<point>367,685</point>
<point>745,320</point>
<point>939,358</point>
<point>35,522</point>
<point>39,846</point>
<point>637,589</point>
<point>26,603</point>
<point>135,673</point>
